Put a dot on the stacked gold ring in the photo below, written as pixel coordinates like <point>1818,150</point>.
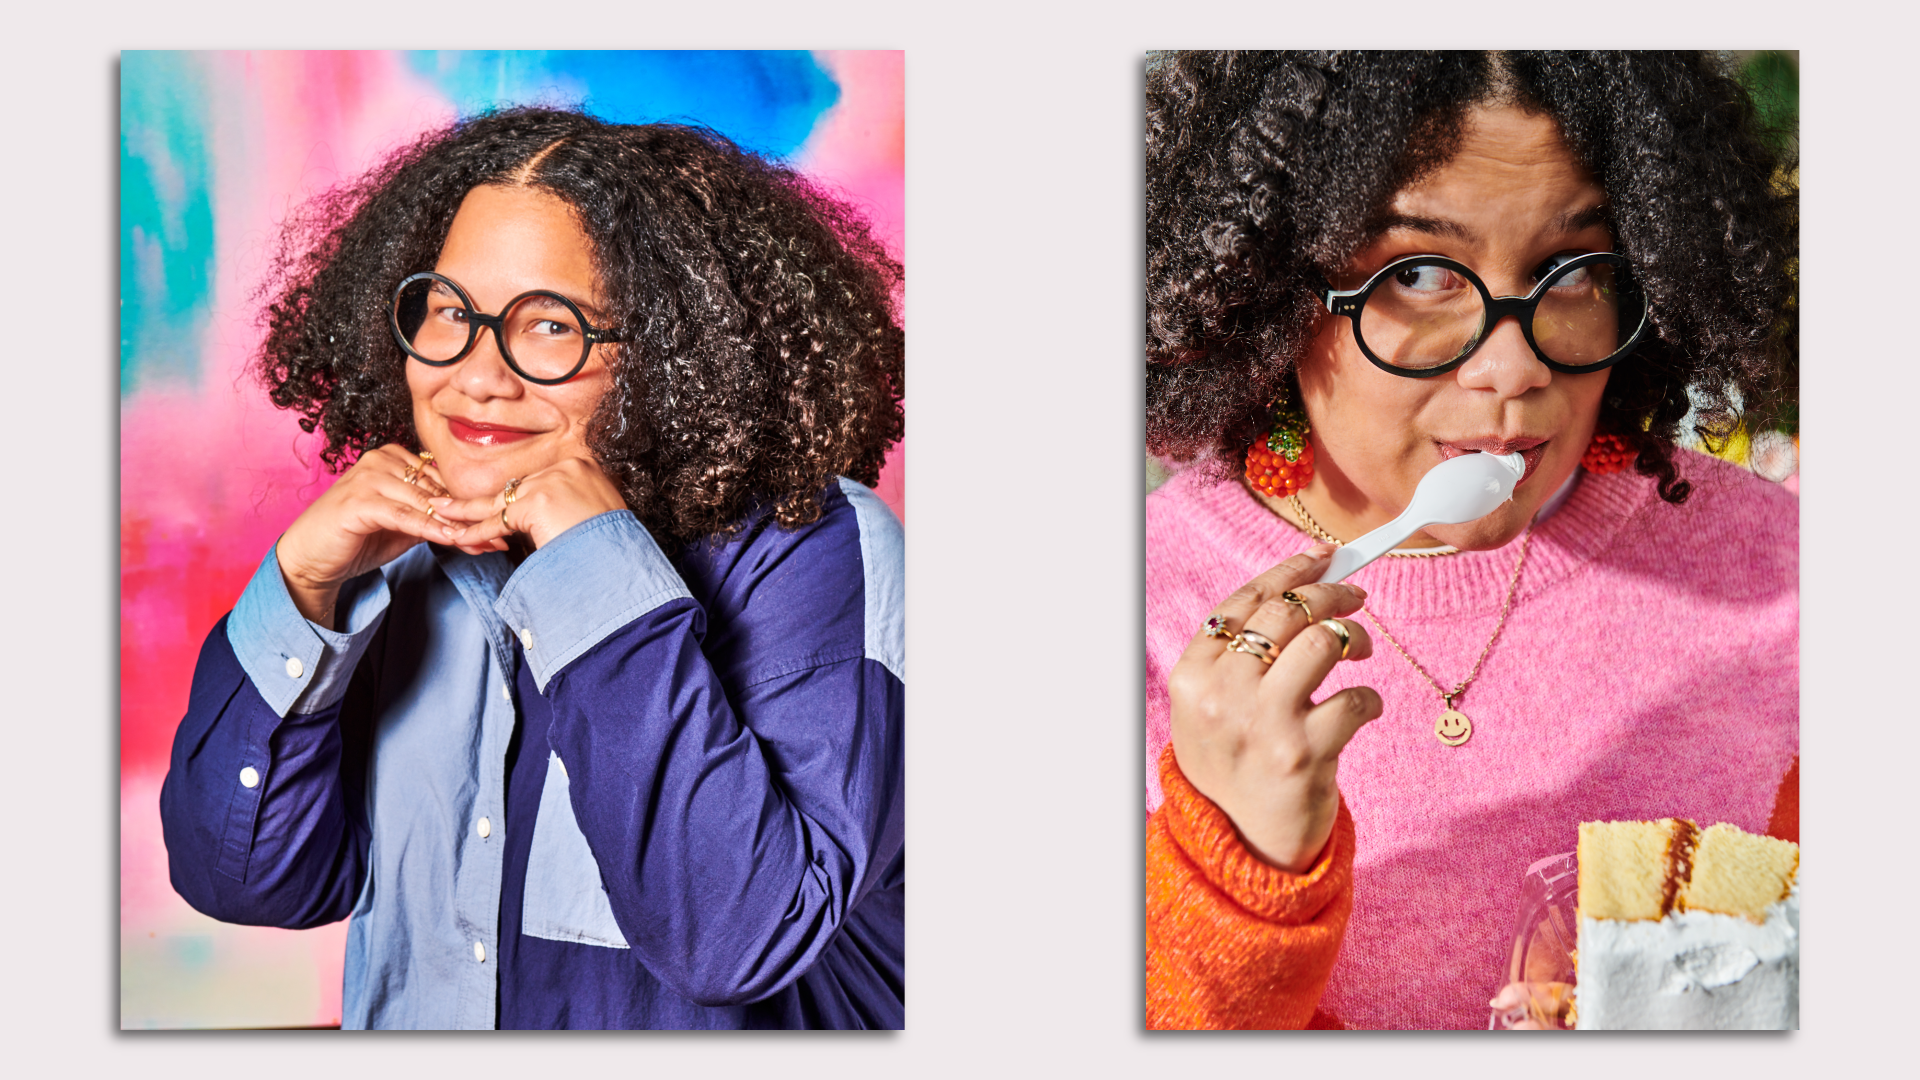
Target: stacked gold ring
<point>413,471</point>
<point>512,492</point>
<point>1255,645</point>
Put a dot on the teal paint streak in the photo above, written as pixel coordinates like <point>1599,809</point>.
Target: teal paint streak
<point>166,218</point>
<point>767,102</point>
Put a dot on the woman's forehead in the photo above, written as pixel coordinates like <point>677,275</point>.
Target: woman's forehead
<point>508,240</point>
<point>1512,175</point>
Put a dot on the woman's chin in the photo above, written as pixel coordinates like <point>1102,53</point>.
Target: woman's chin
<point>1496,530</point>
<point>465,480</point>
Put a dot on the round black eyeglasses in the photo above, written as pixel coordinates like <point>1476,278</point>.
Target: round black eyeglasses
<point>543,336</point>
<point>1425,315</point>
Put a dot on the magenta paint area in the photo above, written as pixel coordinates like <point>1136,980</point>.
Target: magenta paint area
<point>217,150</point>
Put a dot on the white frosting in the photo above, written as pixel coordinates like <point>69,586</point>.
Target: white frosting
<point>1693,970</point>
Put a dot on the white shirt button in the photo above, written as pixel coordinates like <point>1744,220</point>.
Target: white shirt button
<point>526,640</point>
<point>506,691</point>
<point>249,777</point>
<point>480,951</point>
<point>295,668</point>
<point>484,828</point>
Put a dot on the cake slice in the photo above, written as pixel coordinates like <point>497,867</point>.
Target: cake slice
<point>1686,928</point>
<point>1737,873</point>
<point>1632,870</point>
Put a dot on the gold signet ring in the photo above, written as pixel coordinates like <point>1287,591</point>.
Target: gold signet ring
<point>1300,602</point>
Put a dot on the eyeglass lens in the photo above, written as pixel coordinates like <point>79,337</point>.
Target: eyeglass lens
<point>541,334</point>
<point>1425,316</point>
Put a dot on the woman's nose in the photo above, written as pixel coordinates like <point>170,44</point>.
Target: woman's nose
<point>1505,363</point>
<point>483,373</point>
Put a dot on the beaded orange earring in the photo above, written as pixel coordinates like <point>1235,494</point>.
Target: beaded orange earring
<point>1282,463</point>
<point>1606,454</point>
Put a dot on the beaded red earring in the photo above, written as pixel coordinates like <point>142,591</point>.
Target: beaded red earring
<point>1282,462</point>
<point>1606,454</point>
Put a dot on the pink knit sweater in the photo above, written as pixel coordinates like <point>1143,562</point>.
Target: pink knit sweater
<point>1650,668</point>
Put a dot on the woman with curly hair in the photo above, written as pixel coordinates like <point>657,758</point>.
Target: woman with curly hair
<point>580,691</point>
<point>1361,265</point>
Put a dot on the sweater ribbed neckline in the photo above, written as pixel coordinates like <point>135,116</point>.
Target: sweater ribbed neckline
<point>1468,583</point>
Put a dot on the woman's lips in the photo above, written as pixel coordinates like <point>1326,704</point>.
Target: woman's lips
<point>470,431</point>
<point>1530,450</point>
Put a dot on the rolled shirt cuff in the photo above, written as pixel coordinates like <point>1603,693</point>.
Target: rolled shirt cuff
<point>582,586</point>
<point>299,666</point>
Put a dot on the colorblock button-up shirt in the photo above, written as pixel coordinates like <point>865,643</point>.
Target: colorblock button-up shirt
<point>605,788</point>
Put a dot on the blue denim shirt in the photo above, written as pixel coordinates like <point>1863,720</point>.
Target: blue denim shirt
<point>605,788</point>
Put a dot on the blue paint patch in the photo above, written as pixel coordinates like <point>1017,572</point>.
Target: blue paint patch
<point>190,950</point>
<point>166,217</point>
<point>767,102</point>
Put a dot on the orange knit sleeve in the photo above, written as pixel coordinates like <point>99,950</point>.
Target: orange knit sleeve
<point>1231,941</point>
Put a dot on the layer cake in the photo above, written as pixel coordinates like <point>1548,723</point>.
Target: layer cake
<point>1682,927</point>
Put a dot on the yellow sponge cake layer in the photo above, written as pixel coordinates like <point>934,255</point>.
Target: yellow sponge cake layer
<point>1629,870</point>
<point>1737,873</point>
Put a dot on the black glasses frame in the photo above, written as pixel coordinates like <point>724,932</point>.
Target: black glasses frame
<point>477,320</point>
<point>1348,304</point>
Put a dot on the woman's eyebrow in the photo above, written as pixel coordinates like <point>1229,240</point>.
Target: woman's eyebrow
<point>1572,221</point>
<point>1388,222</point>
<point>1575,221</point>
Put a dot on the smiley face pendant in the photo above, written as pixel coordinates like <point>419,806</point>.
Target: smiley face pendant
<point>1453,727</point>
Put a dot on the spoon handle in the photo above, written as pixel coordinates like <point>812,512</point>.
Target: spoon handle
<point>1349,558</point>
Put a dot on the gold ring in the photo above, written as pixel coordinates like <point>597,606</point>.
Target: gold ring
<point>1340,631</point>
<point>1298,601</point>
<point>1261,640</point>
<point>503,520</point>
<point>426,457</point>
<point>512,490</point>
<point>412,474</point>
<point>1215,626</point>
<point>1253,645</point>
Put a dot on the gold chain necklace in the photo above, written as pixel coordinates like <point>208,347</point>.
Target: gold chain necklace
<point>1452,727</point>
<point>1314,530</point>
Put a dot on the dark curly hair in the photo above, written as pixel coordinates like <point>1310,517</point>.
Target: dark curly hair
<point>763,354</point>
<point>1268,170</point>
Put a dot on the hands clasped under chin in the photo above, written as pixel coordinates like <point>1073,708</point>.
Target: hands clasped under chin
<point>540,505</point>
<point>392,498</point>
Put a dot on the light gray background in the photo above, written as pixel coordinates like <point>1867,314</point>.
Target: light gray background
<point>1023,223</point>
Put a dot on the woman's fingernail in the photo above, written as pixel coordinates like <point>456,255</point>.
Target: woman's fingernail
<point>440,501</point>
<point>1358,591</point>
<point>448,529</point>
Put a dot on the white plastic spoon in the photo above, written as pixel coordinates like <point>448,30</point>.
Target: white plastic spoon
<point>1460,489</point>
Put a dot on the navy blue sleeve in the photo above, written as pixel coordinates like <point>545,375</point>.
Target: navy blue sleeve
<point>738,798</point>
<point>263,807</point>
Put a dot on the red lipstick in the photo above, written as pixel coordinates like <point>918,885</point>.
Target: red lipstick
<point>479,434</point>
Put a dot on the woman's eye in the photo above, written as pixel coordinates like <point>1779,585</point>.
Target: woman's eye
<point>550,328</point>
<point>1428,279</point>
<point>1572,279</point>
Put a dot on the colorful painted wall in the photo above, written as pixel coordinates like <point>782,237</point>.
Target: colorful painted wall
<point>215,150</point>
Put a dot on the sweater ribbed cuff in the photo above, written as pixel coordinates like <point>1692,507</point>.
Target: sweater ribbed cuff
<point>1207,836</point>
